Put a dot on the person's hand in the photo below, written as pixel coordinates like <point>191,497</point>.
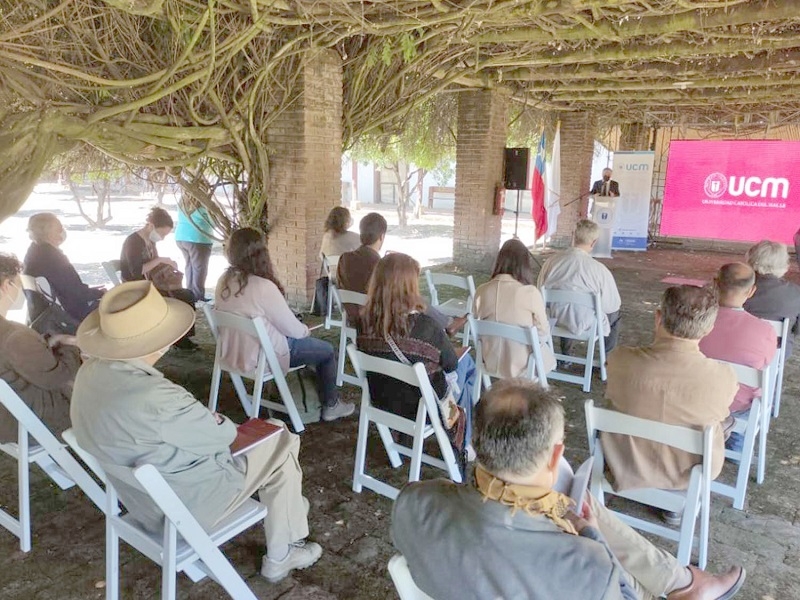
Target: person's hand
<point>168,261</point>
<point>61,339</point>
<point>456,325</point>
<point>585,519</point>
<point>218,418</point>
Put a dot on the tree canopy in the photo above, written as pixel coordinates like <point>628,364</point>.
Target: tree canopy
<point>191,86</point>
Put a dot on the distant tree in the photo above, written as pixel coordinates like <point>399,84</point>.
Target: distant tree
<point>425,141</point>
<point>85,164</point>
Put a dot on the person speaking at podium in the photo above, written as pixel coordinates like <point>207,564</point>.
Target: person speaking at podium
<point>605,186</point>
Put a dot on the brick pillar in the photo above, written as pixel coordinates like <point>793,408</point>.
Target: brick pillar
<point>305,173</point>
<point>634,136</point>
<point>577,151</point>
<point>482,125</point>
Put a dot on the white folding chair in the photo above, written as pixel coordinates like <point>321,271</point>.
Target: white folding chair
<point>692,503</point>
<point>346,333</point>
<point>454,307</point>
<point>403,582</point>
<point>46,451</point>
<point>428,409</point>
<point>593,336</point>
<point>755,426</point>
<point>183,545</point>
<point>330,264</point>
<point>112,269</point>
<point>40,285</point>
<point>782,329</point>
<point>22,314</point>
<point>267,359</point>
<point>528,336</point>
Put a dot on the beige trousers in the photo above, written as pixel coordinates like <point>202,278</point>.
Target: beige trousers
<point>273,470</point>
<point>654,572</point>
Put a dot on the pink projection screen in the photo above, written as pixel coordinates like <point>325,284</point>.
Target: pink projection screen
<point>732,190</point>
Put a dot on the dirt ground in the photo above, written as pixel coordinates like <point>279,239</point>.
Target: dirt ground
<point>67,560</point>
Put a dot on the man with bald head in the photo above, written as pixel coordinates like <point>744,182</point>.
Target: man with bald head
<point>509,534</point>
<point>738,336</point>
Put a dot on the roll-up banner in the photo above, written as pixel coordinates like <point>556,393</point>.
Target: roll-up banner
<point>634,173</point>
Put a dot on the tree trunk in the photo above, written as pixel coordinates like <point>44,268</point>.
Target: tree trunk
<point>402,188</point>
<point>419,189</point>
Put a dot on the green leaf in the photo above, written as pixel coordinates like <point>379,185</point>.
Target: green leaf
<point>387,52</point>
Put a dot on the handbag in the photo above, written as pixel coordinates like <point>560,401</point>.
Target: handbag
<point>48,317</point>
<point>320,306</point>
<point>454,418</point>
<point>165,278</point>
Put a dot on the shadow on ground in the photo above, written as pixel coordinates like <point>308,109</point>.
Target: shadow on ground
<point>67,561</point>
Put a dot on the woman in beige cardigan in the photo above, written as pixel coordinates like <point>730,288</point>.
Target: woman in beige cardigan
<point>510,297</point>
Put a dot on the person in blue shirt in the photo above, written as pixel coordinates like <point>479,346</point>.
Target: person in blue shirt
<point>194,236</point>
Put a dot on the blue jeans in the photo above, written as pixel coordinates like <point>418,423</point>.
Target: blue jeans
<point>466,379</point>
<point>320,354</point>
<point>735,441</point>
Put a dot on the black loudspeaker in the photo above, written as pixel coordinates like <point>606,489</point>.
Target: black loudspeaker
<point>515,168</point>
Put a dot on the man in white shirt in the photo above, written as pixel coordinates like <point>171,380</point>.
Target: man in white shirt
<point>574,269</point>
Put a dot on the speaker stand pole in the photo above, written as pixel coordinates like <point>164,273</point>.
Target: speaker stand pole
<point>516,217</point>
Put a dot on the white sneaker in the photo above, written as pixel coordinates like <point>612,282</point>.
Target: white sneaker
<point>338,410</point>
<point>301,555</point>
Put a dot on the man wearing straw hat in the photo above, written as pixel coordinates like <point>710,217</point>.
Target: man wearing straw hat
<point>126,413</point>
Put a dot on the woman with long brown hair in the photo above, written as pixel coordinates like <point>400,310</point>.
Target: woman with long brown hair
<point>250,288</point>
<point>337,239</point>
<point>512,297</point>
<point>394,315</point>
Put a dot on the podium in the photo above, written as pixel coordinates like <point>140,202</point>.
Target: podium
<point>604,213</point>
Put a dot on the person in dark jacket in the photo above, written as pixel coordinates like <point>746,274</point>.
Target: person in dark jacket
<point>139,256</point>
<point>775,298</point>
<point>45,259</point>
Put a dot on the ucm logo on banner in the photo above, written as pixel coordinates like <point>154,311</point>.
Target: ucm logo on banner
<point>717,184</point>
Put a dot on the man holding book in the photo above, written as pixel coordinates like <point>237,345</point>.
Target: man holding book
<point>509,534</point>
<point>126,413</point>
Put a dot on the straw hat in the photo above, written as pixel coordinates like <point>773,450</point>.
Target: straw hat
<point>132,321</point>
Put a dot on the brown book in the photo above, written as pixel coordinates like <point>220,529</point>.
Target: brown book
<point>251,433</point>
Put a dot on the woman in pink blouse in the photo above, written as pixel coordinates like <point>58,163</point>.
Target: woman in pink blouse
<point>250,288</point>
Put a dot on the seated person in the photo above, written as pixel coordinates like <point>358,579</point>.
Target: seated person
<point>508,534</point>
<point>670,381</point>
<point>149,419</point>
<point>574,269</point>
<point>738,336</point>
<point>140,256</point>
<point>40,371</point>
<point>394,311</point>
<point>511,297</point>
<point>250,288</point>
<point>337,239</point>
<point>775,298</point>
<point>45,259</point>
<point>355,269</point>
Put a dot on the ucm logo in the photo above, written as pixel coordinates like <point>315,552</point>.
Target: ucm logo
<point>717,184</point>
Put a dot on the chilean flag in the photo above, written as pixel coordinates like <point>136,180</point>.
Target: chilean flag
<point>539,208</point>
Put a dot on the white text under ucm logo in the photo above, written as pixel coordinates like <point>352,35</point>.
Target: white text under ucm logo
<point>717,184</point>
